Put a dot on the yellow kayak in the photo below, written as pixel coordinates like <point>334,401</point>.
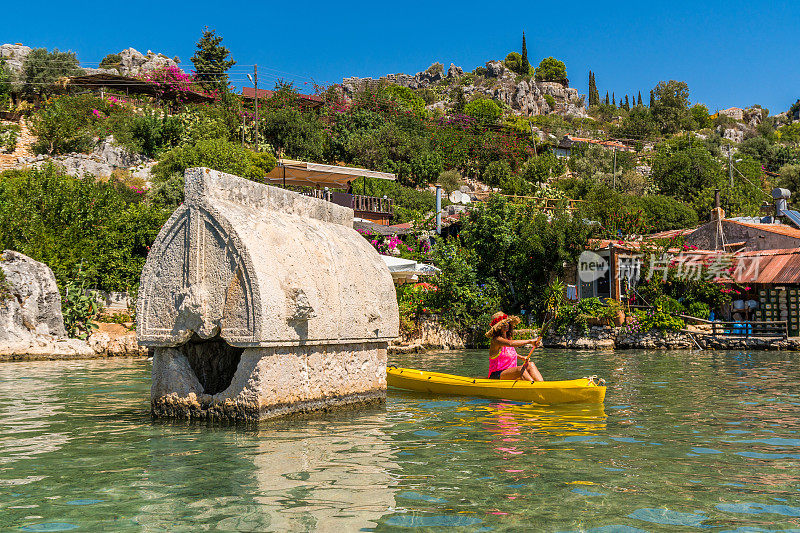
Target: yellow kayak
<point>583,390</point>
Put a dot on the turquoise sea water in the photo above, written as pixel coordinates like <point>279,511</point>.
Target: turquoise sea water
<point>685,442</point>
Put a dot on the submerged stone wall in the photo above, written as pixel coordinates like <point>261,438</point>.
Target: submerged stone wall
<point>259,302</point>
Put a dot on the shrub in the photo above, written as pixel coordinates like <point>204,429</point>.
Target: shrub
<point>483,110</point>
<point>111,61</point>
<point>551,102</point>
<point>64,222</point>
<point>542,168</point>
<point>450,180</point>
<point>63,125</point>
<point>149,133</point>
<point>8,137</point>
<point>406,97</point>
<point>497,173</point>
<point>217,154</point>
<point>699,310</point>
<point>79,308</point>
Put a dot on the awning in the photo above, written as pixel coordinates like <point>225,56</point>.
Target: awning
<point>407,270</point>
<point>301,173</point>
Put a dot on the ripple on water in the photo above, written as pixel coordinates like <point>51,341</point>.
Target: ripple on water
<point>432,521</point>
<point>759,508</point>
<point>760,455</point>
<point>668,517</point>
<point>411,495</point>
<point>50,526</point>
<point>698,449</point>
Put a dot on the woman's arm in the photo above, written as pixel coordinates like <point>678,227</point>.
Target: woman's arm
<point>517,343</point>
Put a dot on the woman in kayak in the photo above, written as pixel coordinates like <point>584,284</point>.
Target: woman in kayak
<point>502,353</point>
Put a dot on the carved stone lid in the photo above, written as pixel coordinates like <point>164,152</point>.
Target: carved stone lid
<point>262,266</point>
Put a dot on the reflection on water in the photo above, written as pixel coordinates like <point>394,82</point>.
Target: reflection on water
<point>685,441</point>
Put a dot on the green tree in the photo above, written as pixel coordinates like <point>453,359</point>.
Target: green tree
<point>790,178</point>
<point>526,65</point>
<point>652,99</point>
<point>63,125</point>
<point>517,248</point>
<point>111,61</point>
<point>551,69</point>
<point>683,166</point>
<point>406,97</point>
<point>639,99</point>
<point>700,117</point>
<point>542,168</point>
<point>211,61</point>
<point>42,70</point>
<point>6,85</point>
<point>607,102</point>
<point>671,107</point>
<point>515,63</point>
<point>594,95</point>
<point>638,124</point>
<point>483,110</point>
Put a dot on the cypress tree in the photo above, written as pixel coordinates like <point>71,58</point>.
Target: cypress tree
<point>607,103</point>
<point>525,64</point>
<point>627,103</point>
<point>639,99</point>
<point>594,95</point>
<point>613,99</point>
<point>652,98</point>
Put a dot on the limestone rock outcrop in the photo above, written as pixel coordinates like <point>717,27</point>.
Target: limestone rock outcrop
<point>134,62</point>
<point>31,322</point>
<point>105,158</point>
<point>259,301</point>
<point>14,56</point>
<point>523,96</point>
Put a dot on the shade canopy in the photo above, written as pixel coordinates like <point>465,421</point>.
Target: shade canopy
<point>301,173</point>
<point>407,270</point>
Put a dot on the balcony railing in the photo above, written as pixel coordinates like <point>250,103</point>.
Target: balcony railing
<point>356,202</point>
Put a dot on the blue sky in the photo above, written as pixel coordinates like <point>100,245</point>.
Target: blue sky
<point>730,53</point>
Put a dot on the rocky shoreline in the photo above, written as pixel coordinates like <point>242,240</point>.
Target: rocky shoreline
<point>611,338</point>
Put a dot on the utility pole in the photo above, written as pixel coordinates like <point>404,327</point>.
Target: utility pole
<point>614,179</point>
<point>730,166</point>
<point>255,81</point>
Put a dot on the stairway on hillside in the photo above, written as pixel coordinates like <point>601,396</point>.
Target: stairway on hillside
<point>23,149</point>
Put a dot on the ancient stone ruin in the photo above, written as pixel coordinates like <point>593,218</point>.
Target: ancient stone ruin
<point>259,301</point>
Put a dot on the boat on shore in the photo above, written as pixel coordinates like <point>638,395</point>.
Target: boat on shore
<point>584,390</point>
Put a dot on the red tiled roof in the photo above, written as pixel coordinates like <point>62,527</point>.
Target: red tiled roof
<point>308,99</point>
<point>670,233</point>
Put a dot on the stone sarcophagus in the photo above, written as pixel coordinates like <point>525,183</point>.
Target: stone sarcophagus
<point>259,301</point>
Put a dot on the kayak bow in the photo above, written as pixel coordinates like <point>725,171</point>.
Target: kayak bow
<point>583,390</point>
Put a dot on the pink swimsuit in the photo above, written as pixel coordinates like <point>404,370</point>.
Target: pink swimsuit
<point>507,358</point>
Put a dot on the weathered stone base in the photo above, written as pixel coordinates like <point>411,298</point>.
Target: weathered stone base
<point>206,407</point>
<point>211,380</point>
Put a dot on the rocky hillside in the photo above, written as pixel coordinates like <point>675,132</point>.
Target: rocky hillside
<point>522,95</point>
<point>131,63</point>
